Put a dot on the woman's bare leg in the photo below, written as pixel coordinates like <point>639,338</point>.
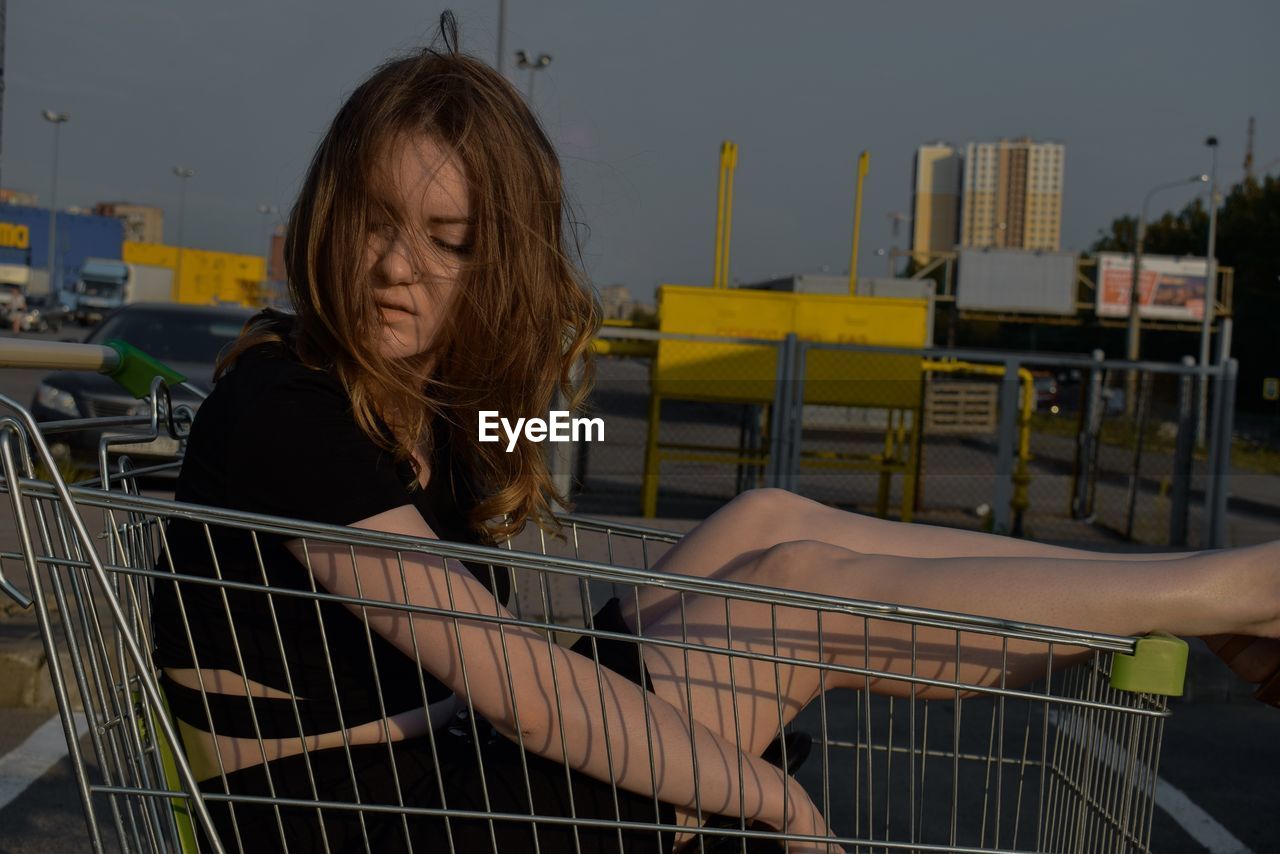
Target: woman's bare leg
<point>758,519</point>
<point>748,700</point>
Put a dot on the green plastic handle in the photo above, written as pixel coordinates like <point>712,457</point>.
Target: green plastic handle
<point>136,370</point>
<point>1157,666</point>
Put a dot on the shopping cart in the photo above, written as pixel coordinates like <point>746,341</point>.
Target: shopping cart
<point>1065,764</point>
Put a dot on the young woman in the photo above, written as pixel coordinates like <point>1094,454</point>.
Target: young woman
<point>429,267</point>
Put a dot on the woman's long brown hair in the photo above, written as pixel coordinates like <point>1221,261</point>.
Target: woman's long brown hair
<point>522,317</point>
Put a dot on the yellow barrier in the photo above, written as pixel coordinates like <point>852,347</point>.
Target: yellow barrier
<point>747,373</point>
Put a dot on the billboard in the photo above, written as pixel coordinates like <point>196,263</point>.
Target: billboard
<point>1016,280</point>
<point>1170,289</point>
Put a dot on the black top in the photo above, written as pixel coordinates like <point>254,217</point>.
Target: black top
<point>278,438</point>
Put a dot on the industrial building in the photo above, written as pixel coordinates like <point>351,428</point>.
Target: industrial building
<point>142,223</point>
<point>18,197</point>
<point>25,245</point>
<point>197,275</point>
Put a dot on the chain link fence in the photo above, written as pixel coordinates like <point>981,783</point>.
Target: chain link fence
<point>1049,447</point>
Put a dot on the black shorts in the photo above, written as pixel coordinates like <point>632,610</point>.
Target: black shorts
<point>467,769</point>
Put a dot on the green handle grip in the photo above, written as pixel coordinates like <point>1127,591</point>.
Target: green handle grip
<point>137,369</point>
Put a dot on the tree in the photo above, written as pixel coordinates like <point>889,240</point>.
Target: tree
<point>1248,241</point>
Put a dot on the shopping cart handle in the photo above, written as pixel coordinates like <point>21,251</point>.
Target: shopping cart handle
<point>1158,666</point>
<point>136,370</point>
<point>57,355</point>
<point>126,364</point>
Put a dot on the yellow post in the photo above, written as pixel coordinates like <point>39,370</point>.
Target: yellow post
<point>864,161</point>
<point>720,188</point>
<point>728,213</point>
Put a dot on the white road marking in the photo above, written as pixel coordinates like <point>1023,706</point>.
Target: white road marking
<point>28,762</point>
<point>1197,823</point>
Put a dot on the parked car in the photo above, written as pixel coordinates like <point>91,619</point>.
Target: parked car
<point>184,337</point>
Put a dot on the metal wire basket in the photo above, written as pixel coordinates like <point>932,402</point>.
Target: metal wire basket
<point>916,753</point>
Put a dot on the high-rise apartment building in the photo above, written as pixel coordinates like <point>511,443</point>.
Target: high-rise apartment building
<point>1012,195</point>
<point>935,203</point>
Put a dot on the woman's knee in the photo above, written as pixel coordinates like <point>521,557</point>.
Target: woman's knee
<point>793,565</point>
<point>768,507</point>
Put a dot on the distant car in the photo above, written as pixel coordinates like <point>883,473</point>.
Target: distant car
<point>1072,385</point>
<point>45,314</point>
<point>1046,386</point>
<point>186,338</point>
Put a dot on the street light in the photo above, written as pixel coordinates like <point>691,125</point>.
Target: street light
<point>502,34</point>
<point>895,218</point>
<point>267,210</point>
<point>1210,289</point>
<point>57,119</point>
<point>183,173</point>
<point>523,61</point>
<point>1135,323</point>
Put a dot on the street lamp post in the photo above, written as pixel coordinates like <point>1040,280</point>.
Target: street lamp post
<point>54,285</point>
<point>1135,302</point>
<point>523,61</point>
<point>502,34</point>
<point>1210,289</point>
<point>183,173</point>
<point>267,210</point>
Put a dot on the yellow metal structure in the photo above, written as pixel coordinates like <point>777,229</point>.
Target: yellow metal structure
<point>724,212</point>
<point>864,163</point>
<point>204,277</point>
<point>747,373</point>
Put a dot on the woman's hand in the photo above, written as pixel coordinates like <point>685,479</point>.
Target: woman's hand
<point>804,819</point>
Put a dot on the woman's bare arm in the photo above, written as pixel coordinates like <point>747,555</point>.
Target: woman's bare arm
<point>512,675</point>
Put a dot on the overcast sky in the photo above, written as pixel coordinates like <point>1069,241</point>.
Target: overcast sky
<point>639,96</point>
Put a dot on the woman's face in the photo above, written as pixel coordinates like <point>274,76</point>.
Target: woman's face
<point>420,240</point>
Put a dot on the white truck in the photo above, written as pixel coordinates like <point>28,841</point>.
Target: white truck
<point>105,285</point>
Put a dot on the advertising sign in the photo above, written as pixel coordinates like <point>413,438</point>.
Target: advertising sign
<point>1170,288</point>
<point>1016,280</point>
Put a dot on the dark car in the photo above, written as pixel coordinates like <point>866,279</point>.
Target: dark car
<point>186,338</point>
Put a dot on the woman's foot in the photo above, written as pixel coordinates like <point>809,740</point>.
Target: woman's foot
<point>1255,660</point>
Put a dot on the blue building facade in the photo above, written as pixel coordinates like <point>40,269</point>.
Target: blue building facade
<point>24,240</point>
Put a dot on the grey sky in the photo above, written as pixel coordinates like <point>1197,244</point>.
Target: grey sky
<point>638,98</point>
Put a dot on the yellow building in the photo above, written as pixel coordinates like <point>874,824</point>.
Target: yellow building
<point>204,277</point>
<point>935,203</point>
<point>1012,195</point>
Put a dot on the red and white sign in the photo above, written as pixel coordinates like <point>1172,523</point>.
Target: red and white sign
<point>1170,288</point>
